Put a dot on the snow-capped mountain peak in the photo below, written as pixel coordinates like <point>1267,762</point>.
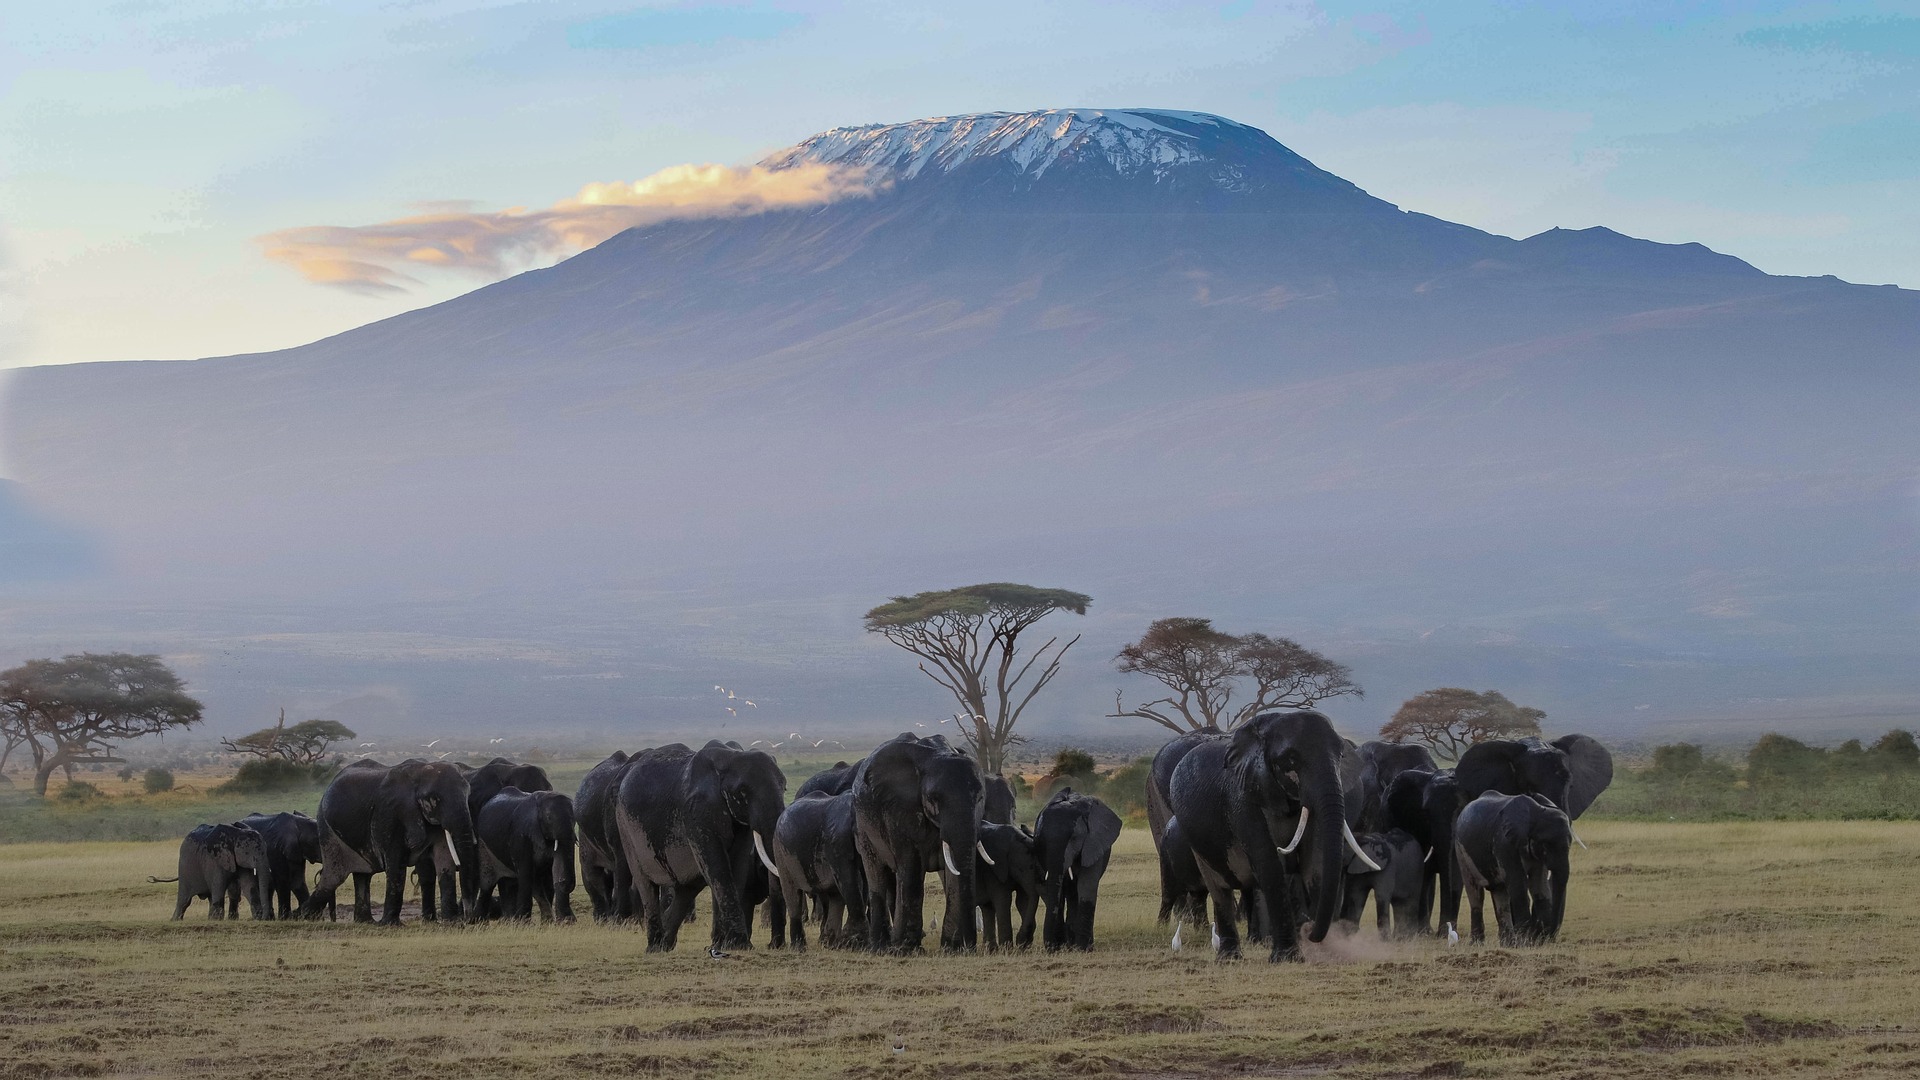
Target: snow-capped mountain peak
<point>1132,141</point>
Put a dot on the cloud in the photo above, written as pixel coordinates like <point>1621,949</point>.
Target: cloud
<point>375,258</point>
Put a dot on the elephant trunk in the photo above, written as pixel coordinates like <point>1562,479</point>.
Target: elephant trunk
<point>1557,864</point>
<point>1322,793</point>
<point>263,889</point>
<point>959,832</point>
<point>464,849</point>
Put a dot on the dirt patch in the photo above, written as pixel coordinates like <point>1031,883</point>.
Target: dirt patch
<point>1088,1018</point>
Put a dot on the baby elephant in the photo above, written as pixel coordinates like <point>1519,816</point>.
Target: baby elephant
<point>221,860</point>
<point>1073,838</point>
<point>1008,875</point>
<point>1395,887</point>
<point>1516,846</point>
<point>526,838</point>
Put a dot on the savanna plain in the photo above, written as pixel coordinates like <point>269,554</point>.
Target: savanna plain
<point>1711,949</point>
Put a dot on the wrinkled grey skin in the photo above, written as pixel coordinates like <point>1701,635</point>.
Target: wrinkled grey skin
<point>603,869</point>
<point>916,801</point>
<point>1240,796</point>
<point>997,796</point>
<point>218,863</point>
<point>1008,884</point>
<point>831,781</point>
<point>1182,892</point>
<point>1515,846</point>
<point>483,783</point>
<point>293,841</point>
<point>1380,763</point>
<point>1570,771</point>
<point>376,819</point>
<point>1424,805</point>
<point>1395,887</point>
<point>526,848</point>
<point>1073,841</point>
<point>687,822</point>
<point>814,849</point>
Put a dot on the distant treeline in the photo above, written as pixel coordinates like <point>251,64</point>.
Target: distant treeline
<point>1781,778</point>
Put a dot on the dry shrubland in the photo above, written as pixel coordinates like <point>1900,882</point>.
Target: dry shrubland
<point>1712,950</point>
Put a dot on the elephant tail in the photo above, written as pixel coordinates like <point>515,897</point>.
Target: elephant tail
<point>150,877</point>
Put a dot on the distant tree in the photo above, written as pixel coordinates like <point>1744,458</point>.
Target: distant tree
<point>157,779</point>
<point>971,638</point>
<point>1679,764</point>
<point>1204,668</point>
<point>1072,762</point>
<point>305,743</point>
<point>1450,719</point>
<point>1777,759</point>
<point>1896,751</point>
<point>74,710</point>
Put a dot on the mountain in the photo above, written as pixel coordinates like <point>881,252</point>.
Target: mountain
<point>1154,356</point>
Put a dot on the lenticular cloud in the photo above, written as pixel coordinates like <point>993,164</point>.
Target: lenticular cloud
<point>375,258</point>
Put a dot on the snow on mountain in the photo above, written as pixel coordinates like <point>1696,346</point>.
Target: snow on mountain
<point>1132,141</point>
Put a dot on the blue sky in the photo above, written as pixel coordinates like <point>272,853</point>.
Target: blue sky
<point>144,145</point>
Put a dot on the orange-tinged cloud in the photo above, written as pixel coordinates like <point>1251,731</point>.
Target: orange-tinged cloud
<point>373,258</point>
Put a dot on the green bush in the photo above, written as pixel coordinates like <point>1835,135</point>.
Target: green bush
<point>157,780</point>
<point>80,791</point>
<point>276,774</point>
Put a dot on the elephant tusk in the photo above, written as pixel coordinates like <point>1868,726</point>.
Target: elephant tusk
<point>982,849</point>
<point>451,850</point>
<point>946,852</point>
<point>1298,833</point>
<point>1347,830</point>
<point>1576,838</point>
<point>1430,852</point>
<point>760,849</point>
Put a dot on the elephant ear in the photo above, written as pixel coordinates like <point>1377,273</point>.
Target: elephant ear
<point>1591,767</point>
<point>1246,750</point>
<point>1351,764</point>
<point>703,772</point>
<point>1102,827</point>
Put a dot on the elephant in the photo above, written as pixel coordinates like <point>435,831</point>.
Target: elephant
<point>293,841</point>
<point>1395,887</point>
<point>814,849</point>
<point>602,860</point>
<point>1007,880</point>
<point>1182,893</point>
<point>998,797</point>
<point>484,783</point>
<point>1571,771</point>
<point>218,862</point>
<point>1238,795</point>
<point>1380,762</point>
<point>376,819</point>
<point>833,781</point>
<point>1183,890</point>
<point>1517,846</point>
<point>690,820</point>
<point>1073,840</point>
<point>526,837</point>
<point>917,805</point>
<point>1424,805</point>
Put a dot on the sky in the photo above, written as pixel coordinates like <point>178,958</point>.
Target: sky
<point>147,148</point>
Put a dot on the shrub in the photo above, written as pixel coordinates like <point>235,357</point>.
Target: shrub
<point>1072,762</point>
<point>1777,759</point>
<point>276,774</point>
<point>157,780</point>
<point>126,773</point>
<point>80,791</point>
<point>1896,751</point>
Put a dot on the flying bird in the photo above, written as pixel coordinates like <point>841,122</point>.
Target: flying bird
<point>729,695</point>
<point>364,745</point>
<point>817,742</point>
<point>751,704</point>
<point>733,712</point>
<point>775,746</point>
<point>722,689</point>
<point>753,744</point>
<point>493,742</point>
<point>441,756</point>
<point>433,744</point>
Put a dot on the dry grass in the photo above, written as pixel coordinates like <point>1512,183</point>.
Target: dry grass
<point>1781,950</point>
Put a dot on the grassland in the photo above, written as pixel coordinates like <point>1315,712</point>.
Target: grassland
<point>1784,950</point>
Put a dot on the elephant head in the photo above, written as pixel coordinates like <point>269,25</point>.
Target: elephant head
<point>247,850</point>
<point>1281,761</point>
<point>1570,772</point>
<point>749,784</point>
<point>555,812</point>
<point>1541,836</point>
<point>430,799</point>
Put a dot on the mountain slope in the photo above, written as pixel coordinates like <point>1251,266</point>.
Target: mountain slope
<point>1156,356</point>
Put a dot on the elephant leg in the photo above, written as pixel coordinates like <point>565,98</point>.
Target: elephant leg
<point>678,907</point>
<point>1003,920</point>
<point>797,916</point>
<point>183,897</point>
<point>396,894</point>
<point>1026,901</point>
<point>429,892</point>
<point>526,885</point>
<point>363,898</point>
<point>217,897</point>
<point>909,905</point>
<point>1475,896</point>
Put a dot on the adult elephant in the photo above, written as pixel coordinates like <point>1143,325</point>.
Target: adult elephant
<point>1007,880</point>
<point>483,783</point>
<point>1248,800</point>
<point>814,850</point>
<point>1570,771</point>
<point>1515,846</point>
<point>603,863</point>
<point>1395,887</point>
<point>526,837</point>
<point>997,800</point>
<point>1073,839</point>
<point>916,805</point>
<point>293,841</point>
<point>1182,893</point>
<point>222,861</point>
<point>831,781</point>
<point>1380,763</point>
<point>376,819</point>
<point>690,820</point>
<point>1424,805</point>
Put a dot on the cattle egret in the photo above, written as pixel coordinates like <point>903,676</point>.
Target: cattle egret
<point>733,712</point>
<point>433,744</point>
<point>752,705</point>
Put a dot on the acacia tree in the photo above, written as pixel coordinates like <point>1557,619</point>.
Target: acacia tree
<point>305,743</point>
<point>1204,668</point>
<point>1450,719</point>
<point>968,640</point>
<point>72,711</point>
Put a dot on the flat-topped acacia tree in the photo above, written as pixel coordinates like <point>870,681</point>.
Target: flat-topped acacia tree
<point>72,711</point>
<point>968,640</point>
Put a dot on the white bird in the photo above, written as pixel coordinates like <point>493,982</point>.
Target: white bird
<point>793,735</point>
<point>917,723</point>
<point>1453,936</point>
<point>495,742</point>
<point>364,745</point>
<point>752,705</point>
<point>948,720</point>
<point>730,695</point>
<point>441,756</point>
<point>722,689</point>
<point>433,744</point>
<point>733,712</point>
<point>817,742</point>
<point>753,744</point>
<point>775,746</point>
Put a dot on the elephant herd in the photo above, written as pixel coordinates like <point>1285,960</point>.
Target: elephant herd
<point>1280,824</point>
<point>1287,826</point>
